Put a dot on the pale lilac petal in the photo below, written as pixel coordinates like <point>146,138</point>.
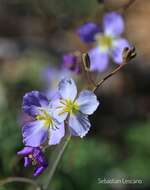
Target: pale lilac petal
<point>67,88</point>
<point>79,124</point>
<point>87,101</point>
<point>113,24</point>
<point>35,133</point>
<point>58,111</point>
<point>99,60</point>
<point>118,48</point>
<point>55,135</point>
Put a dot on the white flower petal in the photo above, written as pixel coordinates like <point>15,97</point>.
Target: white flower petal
<point>79,124</point>
<point>67,88</point>
<point>55,135</point>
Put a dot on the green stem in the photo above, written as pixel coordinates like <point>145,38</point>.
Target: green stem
<point>55,160</point>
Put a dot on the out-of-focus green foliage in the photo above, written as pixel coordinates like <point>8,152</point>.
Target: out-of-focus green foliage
<point>83,163</point>
<point>137,164</point>
<point>75,9</point>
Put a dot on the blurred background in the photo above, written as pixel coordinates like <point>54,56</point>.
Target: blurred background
<point>34,35</point>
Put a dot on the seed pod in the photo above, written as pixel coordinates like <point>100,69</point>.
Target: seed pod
<point>128,53</point>
<point>86,61</point>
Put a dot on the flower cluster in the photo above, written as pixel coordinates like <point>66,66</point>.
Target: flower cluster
<point>107,41</point>
<point>49,118</point>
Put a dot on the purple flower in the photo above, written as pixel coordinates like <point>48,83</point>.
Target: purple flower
<point>75,109</point>
<point>34,156</point>
<point>71,61</point>
<point>87,31</point>
<point>44,125</point>
<point>108,43</point>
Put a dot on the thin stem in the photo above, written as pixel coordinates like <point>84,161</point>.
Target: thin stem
<point>108,76</point>
<point>55,161</point>
<point>126,6</point>
<point>22,180</point>
<point>127,55</point>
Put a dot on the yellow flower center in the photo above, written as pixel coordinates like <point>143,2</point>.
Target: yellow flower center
<point>46,117</point>
<point>34,162</point>
<point>104,41</point>
<point>69,106</point>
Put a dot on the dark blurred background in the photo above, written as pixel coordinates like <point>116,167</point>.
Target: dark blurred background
<point>34,34</point>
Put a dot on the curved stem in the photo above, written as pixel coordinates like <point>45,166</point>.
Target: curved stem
<point>126,6</point>
<point>56,158</point>
<point>127,55</point>
<point>20,179</point>
<point>108,76</point>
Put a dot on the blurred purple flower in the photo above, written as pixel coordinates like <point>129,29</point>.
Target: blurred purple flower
<point>72,62</point>
<point>87,31</point>
<point>51,76</point>
<point>108,43</point>
<point>75,109</point>
<point>44,126</point>
<point>34,156</point>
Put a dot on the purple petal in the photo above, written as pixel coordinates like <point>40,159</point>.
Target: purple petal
<point>117,49</point>
<point>99,59</point>
<point>31,110</point>
<point>70,61</point>
<point>39,157</point>
<point>38,170</point>
<point>113,24</point>
<point>79,124</point>
<point>56,135</point>
<point>87,31</point>
<point>88,102</point>
<point>41,160</point>
<point>36,152</point>
<point>27,161</point>
<point>34,133</point>
<point>25,151</point>
<point>32,101</point>
<point>67,89</point>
